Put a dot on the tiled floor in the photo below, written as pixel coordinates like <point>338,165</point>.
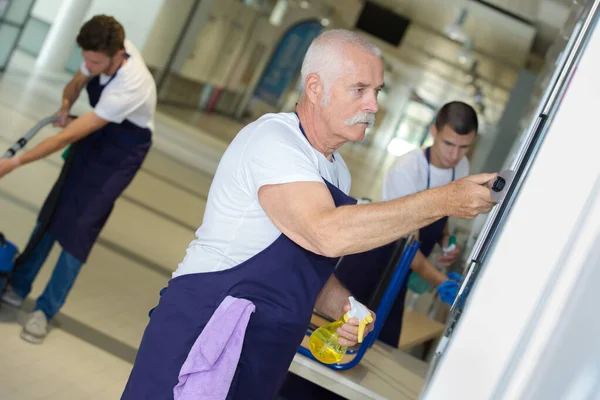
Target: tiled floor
<point>89,352</point>
<point>64,367</point>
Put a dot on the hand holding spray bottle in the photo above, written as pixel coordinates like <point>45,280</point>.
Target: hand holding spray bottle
<point>324,344</point>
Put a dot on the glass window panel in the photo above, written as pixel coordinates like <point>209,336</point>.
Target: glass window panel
<point>18,11</point>
<point>8,37</point>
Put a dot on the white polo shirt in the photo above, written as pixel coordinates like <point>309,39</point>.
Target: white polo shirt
<point>408,175</point>
<point>131,95</point>
<point>270,150</point>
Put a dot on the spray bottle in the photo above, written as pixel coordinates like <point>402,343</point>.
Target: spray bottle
<point>451,245</point>
<point>434,305</point>
<point>324,344</point>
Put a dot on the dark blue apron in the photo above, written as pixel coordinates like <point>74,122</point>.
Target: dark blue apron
<point>361,281</point>
<point>98,169</point>
<point>283,281</point>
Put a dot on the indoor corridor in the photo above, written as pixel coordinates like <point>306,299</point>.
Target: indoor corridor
<point>471,86</point>
<point>92,344</point>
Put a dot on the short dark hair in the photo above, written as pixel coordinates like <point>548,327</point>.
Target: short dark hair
<point>459,116</point>
<point>102,34</point>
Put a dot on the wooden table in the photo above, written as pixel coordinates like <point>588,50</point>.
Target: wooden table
<point>383,373</point>
<point>418,329</point>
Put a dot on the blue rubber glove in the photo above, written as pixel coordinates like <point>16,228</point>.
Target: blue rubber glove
<point>455,277</point>
<point>448,291</point>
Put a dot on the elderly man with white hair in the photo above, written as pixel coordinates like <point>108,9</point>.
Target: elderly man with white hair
<point>277,219</point>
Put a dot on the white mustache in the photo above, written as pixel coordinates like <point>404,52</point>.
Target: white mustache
<point>362,118</point>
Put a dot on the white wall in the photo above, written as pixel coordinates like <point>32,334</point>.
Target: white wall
<point>191,36</point>
<point>46,10</point>
<point>136,16</point>
<point>219,43</point>
<point>164,33</point>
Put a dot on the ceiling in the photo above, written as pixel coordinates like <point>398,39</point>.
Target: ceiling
<point>482,23</point>
<point>507,30</point>
<point>508,35</point>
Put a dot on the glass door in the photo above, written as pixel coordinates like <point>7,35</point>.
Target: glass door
<point>521,161</point>
<point>13,17</point>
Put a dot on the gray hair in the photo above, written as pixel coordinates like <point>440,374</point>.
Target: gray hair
<point>326,52</point>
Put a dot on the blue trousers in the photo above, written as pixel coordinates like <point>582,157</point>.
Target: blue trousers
<point>64,275</point>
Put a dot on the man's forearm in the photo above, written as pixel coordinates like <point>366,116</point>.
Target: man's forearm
<point>45,148</point>
<point>332,299</point>
<point>71,93</point>
<point>306,213</point>
<point>78,129</point>
<point>358,228</point>
<point>426,270</point>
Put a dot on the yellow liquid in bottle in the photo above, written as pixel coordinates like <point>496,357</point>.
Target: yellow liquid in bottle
<point>324,344</point>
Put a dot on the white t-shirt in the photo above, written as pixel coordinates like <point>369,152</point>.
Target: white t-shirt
<point>131,95</point>
<point>408,175</point>
<point>270,150</point>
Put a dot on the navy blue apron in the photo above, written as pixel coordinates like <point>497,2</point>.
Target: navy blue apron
<point>283,281</point>
<point>361,281</point>
<point>98,169</point>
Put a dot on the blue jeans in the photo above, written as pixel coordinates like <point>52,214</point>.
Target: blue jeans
<point>64,275</point>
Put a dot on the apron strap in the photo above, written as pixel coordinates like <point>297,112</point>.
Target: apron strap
<point>428,157</point>
<point>304,133</point>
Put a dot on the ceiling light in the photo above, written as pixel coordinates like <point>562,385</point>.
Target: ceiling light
<point>464,56</point>
<point>279,12</point>
<point>455,30</point>
<point>478,97</point>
